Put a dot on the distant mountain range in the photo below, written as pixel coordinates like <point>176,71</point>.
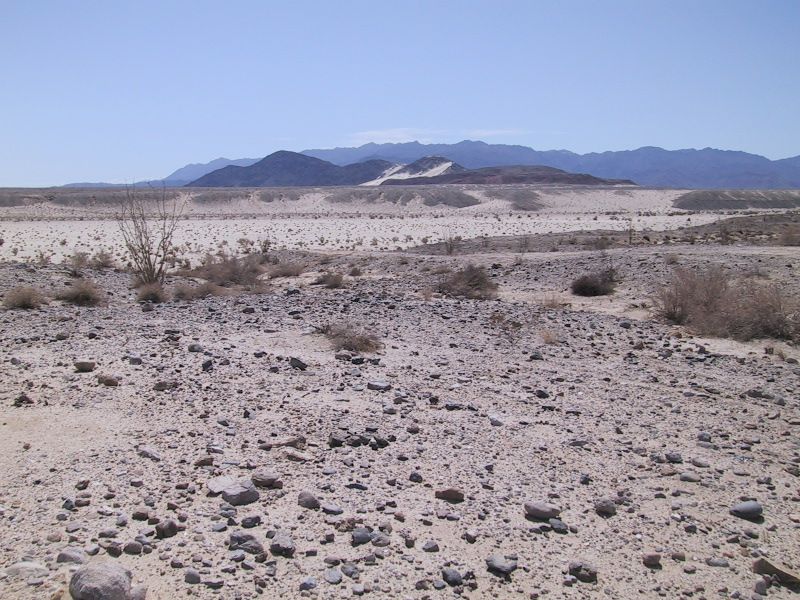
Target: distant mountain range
<point>649,166</point>
<point>285,168</point>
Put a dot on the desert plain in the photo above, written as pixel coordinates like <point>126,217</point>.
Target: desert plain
<point>532,443</point>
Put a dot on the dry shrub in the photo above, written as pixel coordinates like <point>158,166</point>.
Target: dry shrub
<point>82,292</point>
<point>286,270</point>
<point>470,282</point>
<point>346,337</point>
<point>553,300</point>
<point>151,292</point>
<point>549,337</point>
<point>790,236</point>
<point>24,297</point>
<point>713,302</point>
<point>187,292</point>
<point>77,261</point>
<point>601,243</point>
<point>331,281</point>
<point>102,260</point>
<point>600,283</point>
<point>226,271</point>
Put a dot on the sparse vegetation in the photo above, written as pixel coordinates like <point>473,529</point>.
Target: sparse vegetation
<point>330,280</point>
<point>470,282</point>
<point>600,283</point>
<point>24,298</point>
<point>288,269</point>
<point>713,302</point>
<point>347,337</point>
<point>102,260</point>
<point>147,229</point>
<point>226,271</point>
<point>187,292</point>
<point>151,292</point>
<point>81,292</point>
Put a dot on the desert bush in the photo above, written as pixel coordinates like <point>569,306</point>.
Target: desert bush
<point>790,236</point>
<point>286,270</point>
<point>331,281</point>
<point>23,297</point>
<point>151,292</point>
<point>600,283</point>
<point>82,292</point>
<point>451,244</point>
<point>185,291</point>
<point>147,229</point>
<point>347,337</point>
<point>470,282</point>
<point>226,271</point>
<point>714,302</point>
<point>601,243</point>
<point>102,260</point>
<point>78,261</point>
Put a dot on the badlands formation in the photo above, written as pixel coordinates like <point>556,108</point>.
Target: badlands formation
<point>533,444</point>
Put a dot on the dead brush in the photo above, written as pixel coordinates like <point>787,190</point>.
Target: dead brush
<point>152,292</point>
<point>471,282</point>
<point>228,271</point>
<point>599,283</point>
<point>81,292</point>
<point>23,298</point>
<point>287,269</point>
<point>507,326</point>
<point>714,302</point>
<point>347,337</point>
<point>187,292</point>
<point>331,281</point>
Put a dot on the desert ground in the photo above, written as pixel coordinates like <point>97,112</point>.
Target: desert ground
<point>531,444</point>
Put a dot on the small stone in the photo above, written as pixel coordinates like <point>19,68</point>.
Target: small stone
<point>651,560</point>
<point>307,500</point>
<point>192,576</point>
<point>500,565</point>
<point>452,577</point>
<point>605,507</point>
<point>282,545</point>
<point>450,495</point>
<point>583,571</point>
<point>84,366</point>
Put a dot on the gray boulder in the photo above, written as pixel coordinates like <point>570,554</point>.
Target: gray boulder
<point>102,581</point>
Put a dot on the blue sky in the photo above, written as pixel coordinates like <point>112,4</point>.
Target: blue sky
<point>121,91</point>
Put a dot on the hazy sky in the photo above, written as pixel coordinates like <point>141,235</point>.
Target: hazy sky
<point>120,91</point>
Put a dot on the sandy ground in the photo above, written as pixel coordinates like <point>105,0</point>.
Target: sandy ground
<point>313,223</point>
<point>509,401</point>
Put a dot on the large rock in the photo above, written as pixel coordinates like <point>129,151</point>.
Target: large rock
<point>215,485</point>
<point>750,510</point>
<point>102,581</point>
<point>541,511</point>
<point>282,545</point>
<point>241,493</point>
<point>267,479</point>
<point>500,565</point>
<point>450,495</point>
<point>26,570</point>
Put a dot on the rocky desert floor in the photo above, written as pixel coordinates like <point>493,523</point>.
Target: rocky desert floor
<point>534,445</point>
